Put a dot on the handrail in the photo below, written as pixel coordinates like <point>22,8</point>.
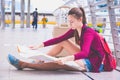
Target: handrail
<point>116,6</point>
<point>100,2</point>
<point>107,35</point>
<point>103,8</point>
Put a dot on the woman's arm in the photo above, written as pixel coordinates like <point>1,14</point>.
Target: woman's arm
<point>67,35</point>
<point>85,47</point>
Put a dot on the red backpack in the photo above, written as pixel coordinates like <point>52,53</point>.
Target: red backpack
<point>109,61</point>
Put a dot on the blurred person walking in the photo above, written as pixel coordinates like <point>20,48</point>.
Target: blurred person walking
<point>35,19</point>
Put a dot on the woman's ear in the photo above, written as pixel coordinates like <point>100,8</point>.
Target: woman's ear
<point>81,19</point>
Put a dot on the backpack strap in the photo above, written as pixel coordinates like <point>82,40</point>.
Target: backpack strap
<point>97,52</point>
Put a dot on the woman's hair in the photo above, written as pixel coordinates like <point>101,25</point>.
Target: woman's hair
<point>78,13</point>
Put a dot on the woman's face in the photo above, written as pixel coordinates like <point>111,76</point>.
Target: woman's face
<point>73,22</point>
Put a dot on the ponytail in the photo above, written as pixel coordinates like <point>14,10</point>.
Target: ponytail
<point>84,22</point>
<point>83,15</point>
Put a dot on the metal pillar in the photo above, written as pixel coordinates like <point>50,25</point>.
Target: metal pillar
<point>13,14</point>
<point>22,13</point>
<point>2,14</point>
<point>113,25</point>
<point>92,11</point>
<point>28,15</point>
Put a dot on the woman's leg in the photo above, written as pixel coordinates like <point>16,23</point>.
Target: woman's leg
<point>45,66</point>
<point>79,65</point>
<point>70,47</point>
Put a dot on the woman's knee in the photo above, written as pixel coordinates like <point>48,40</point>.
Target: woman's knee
<point>64,42</point>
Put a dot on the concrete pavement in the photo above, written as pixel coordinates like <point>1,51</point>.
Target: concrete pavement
<point>9,38</point>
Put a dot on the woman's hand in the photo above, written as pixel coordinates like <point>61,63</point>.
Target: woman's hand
<point>35,47</point>
<point>63,60</point>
